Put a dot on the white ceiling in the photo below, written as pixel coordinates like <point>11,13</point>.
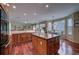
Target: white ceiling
<point>43,13</point>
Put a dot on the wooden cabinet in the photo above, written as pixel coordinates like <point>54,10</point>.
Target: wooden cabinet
<point>43,46</point>
<point>23,37</point>
<point>34,44</point>
<point>17,39</point>
<point>29,36</point>
<point>14,39</point>
<point>39,46</point>
<point>53,45</point>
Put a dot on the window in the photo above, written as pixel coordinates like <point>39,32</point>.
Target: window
<point>49,26</point>
<point>69,26</point>
<point>42,26</point>
<point>59,26</point>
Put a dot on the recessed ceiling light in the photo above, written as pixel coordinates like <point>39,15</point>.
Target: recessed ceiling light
<point>46,6</point>
<point>8,4</point>
<point>25,14</point>
<point>14,7</point>
<point>35,13</point>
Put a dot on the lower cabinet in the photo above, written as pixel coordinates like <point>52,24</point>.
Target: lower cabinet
<point>53,45</point>
<point>42,46</point>
<point>14,39</point>
<point>34,44</point>
<point>25,37</point>
<point>17,39</point>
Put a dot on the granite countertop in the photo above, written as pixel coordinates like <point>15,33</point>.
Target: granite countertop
<point>41,35</point>
<point>45,35</point>
<point>24,31</point>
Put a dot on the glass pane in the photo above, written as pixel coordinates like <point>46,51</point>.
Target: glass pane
<point>69,26</point>
<point>59,26</point>
<point>42,26</point>
<point>49,26</point>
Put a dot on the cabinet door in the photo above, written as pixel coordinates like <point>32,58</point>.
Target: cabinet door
<point>57,44</point>
<point>35,45</point>
<point>14,39</point>
<point>19,39</point>
<point>29,37</point>
<point>51,46</point>
<point>24,37</point>
<point>42,46</point>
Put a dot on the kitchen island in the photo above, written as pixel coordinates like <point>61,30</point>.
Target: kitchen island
<point>45,44</point>
<point>21,37</point>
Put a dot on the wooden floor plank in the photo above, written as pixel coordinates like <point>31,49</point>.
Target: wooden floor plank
<point>66,48</point>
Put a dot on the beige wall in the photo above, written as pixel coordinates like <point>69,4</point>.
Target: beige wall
<point>76,28</point>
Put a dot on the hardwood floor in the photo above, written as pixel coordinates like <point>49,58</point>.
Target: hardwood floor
<point>24,49</point>
<point>66,48</point>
